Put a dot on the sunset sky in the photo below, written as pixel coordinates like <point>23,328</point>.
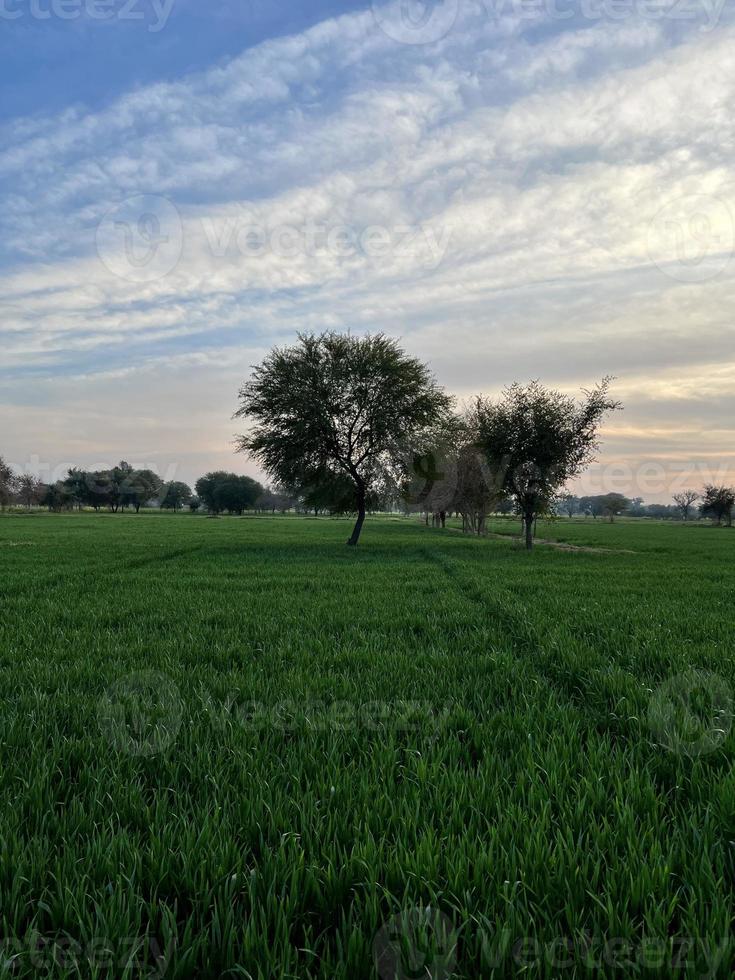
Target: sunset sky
<point>516,189</point>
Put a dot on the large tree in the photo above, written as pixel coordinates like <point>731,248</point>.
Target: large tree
<point>537,439</point>
<point>718,503</point>
<point>341,404</point>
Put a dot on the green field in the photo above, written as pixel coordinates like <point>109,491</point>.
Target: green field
<point>236,747</point>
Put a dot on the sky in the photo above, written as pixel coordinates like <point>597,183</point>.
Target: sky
<point>517,189</point>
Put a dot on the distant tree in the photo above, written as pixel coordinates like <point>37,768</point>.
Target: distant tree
<point>478,493</point>
<point>267,502</point>
<point>718,504</point>
<point>99,490</point>
<point>427,480</point>
<point>332,492</point>
<point>119,480</point>
<point>569,504</point>
<point>175,495</point>
<point>138,487</point>
<point>685,501</point>
<point>7,484</point>
<point>537,439</point>
<point>661,512</point>
<point>28,489</point>
<point>613,505</point>
<point>223,491</point>
<point>274,499</point>
<point>205,489</point>
<point>339,403</point>
<point>597,505</point>
<point>77,486</point>
<point>194,504</point>
<point>55,496</point>
<point>505,506</point>
<point>286,497</point>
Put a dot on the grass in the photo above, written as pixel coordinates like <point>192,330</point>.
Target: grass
<point>235,747</point>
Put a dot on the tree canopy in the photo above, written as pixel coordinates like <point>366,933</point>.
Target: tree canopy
<point>221,491</point>
<point>336,404</point>
<point>718,503</point>
<point>536,439</point>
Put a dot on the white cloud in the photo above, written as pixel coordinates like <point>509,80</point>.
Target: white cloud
<point>529,177</point>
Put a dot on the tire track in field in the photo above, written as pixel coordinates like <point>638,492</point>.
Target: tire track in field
<point>526,642</point>
<point>101,569</point>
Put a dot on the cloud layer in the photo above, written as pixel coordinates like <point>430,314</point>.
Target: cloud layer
<point>526,196</point>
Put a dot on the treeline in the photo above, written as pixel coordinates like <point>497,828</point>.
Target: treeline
<point>126,488</point>
<point>716,503</point>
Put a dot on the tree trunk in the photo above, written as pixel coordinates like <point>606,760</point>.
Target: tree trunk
<point>529,531</point>
<point>355,536</point>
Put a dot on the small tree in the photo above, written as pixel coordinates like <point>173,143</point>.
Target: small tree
<point>537,439</point>
<point>175,495</point>
<point>613,505</point>
<point>340,404</point>
<point>685,501</point>
<point>718,503</point>
<point>569,504</point>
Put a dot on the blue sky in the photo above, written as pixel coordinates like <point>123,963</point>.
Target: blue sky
<point>517,188</point>
<point>48,63</point>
